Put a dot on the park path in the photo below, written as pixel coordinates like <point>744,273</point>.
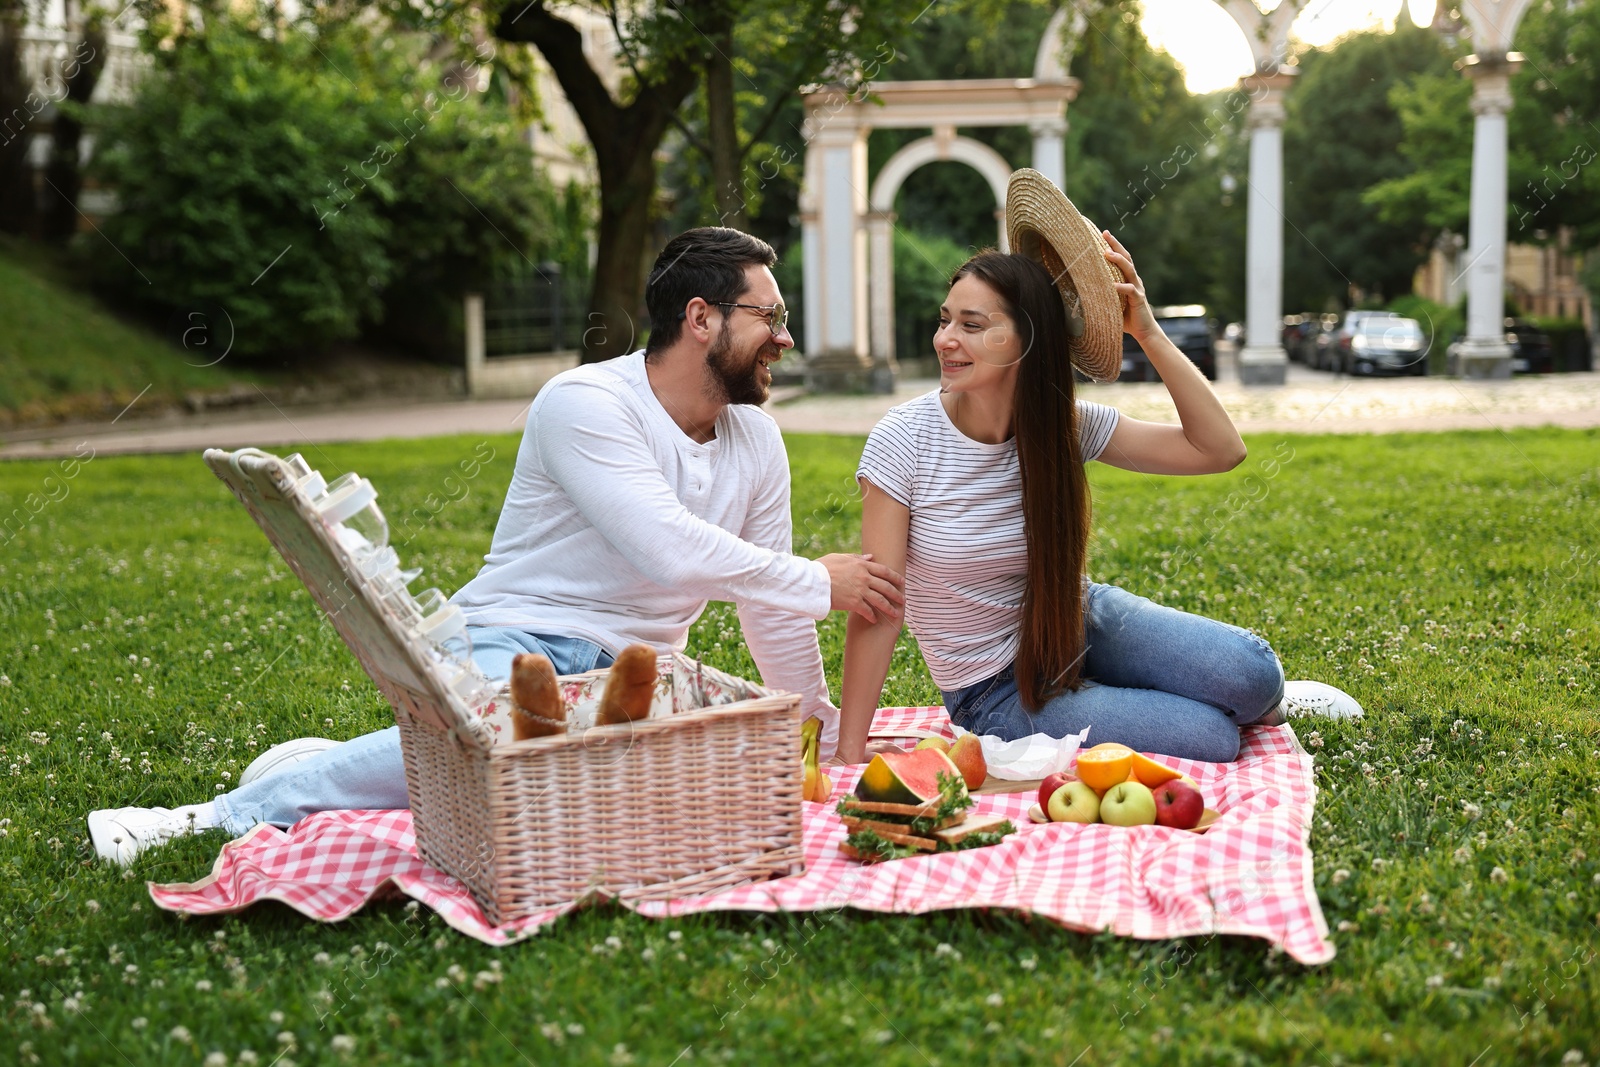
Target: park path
<point>1311,402</point>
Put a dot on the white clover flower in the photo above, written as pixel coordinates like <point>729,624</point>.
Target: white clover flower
<point>1499,876</point>
<point>248,1058</point>
<point>203,986</point>
<point>216,1059</point>
<point>994,1000</point>
<point>1462,854</point>
<point>575,1029</point>
<point>614,942</point>
<point>275,1018</point>
<point>1434,981</point>
<point>1028,963</point>
<point>1340,876</point>
<point>139,1023</point>
<point>285,1037</point>
<point>677,935</point>
<point>180,1034</point>
<point>342,1043</point>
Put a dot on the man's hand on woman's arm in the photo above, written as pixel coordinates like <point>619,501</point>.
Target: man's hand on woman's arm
<point>865,587</point>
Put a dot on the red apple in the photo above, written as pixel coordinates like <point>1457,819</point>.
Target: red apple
<point>1051,784</point>
<point>1178,805</point>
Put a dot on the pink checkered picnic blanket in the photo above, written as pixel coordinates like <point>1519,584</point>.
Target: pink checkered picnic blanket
<point>1250,874</point>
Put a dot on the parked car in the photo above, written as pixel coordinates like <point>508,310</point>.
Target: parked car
<point>1298,333</point>
<point>1530,348</point>
<point>1188,327</point>
<point>1380,342</point>
<point>1321,345</point>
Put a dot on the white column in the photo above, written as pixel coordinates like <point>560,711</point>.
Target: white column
<point>837,350</point>
<point>1484,353</point>
<point>1263,361</point>
<point>811,245</point>
<point>880,272</point>
<point>1049,140</point>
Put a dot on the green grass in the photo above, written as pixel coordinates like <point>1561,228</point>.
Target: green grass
<point>62,354</point>
<point>1448,581</point>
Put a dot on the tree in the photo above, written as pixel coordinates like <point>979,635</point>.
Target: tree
<point>17,111</point>
<point>671,50</point>
<point>1146,159</point>
<point>281,181</point>
<point>624,133</point>
<point>1554,162</point>
<point>1342,137</point>
<point>1554,125</point>
<point>1434,194</point>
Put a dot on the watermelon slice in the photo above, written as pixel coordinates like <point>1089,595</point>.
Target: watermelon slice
<point>905,777</point>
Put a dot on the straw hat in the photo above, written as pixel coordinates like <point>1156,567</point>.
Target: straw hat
<point>1042,224</point>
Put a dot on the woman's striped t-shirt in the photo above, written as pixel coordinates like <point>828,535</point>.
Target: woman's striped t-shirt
<point>966,556</point>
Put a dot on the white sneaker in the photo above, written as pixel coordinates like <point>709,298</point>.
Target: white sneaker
<point>281,757</point>
<point>119,834</point>
<point>1318,698</point>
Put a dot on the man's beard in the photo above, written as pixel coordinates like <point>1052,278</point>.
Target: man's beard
<point>738,381</point>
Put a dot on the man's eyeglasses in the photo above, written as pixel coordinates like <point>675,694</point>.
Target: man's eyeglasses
<point>777,315</point>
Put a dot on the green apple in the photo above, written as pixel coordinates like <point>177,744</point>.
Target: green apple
<point>1128,804</point>
<point>1074,801</point>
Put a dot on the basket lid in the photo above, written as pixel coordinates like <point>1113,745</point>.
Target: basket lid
<point>396,659</point>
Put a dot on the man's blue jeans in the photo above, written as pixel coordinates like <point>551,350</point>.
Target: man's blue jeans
<point>368,771</point>
<point>1156,679</point>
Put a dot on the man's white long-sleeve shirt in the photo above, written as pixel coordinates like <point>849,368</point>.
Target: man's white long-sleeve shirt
<point>618,527</point>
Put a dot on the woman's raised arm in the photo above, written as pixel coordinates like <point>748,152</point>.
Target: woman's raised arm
<point>1206,441</point>
<point>868,646</point>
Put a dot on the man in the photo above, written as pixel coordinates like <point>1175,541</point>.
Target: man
<point>644,487</point>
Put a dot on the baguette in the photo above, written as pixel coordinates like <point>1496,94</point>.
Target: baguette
<point>629,688</point>
<point>537,709</point>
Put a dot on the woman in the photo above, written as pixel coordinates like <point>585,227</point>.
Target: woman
<point>977,494</point>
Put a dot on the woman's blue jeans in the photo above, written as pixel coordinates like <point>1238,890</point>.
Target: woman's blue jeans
<point>368,771</point>
<point>1155,679</point>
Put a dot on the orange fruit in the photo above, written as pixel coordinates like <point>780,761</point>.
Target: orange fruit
<point>1150,772</point>
<point>1104,766</point>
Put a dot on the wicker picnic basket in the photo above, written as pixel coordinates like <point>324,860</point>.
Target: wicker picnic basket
<point>702,795</point>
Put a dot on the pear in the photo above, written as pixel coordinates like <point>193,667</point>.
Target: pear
<point>967,755</point>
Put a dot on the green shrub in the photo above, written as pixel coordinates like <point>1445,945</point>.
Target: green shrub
<point>300,177</point>
<point>923,264</point>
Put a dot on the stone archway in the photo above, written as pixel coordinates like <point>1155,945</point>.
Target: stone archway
<point>943,146</point>
<point>847,345</point>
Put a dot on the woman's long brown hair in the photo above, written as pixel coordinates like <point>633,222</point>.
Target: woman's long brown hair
<point>1055,490</point>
